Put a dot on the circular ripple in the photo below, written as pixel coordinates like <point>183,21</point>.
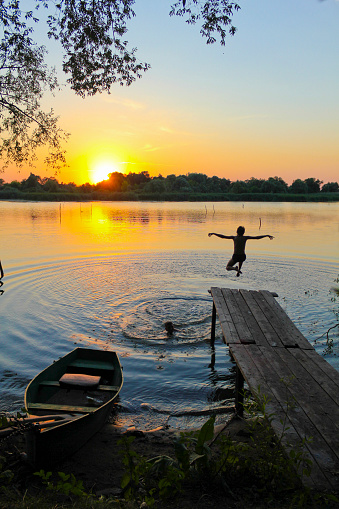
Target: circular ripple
<point>191,319</point>
<point>122,303</point>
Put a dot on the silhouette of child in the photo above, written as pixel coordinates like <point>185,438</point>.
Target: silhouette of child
<point>239,240</point>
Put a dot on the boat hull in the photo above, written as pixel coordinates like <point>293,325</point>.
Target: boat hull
<point>85,411</point>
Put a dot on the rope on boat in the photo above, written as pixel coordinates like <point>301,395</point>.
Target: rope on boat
<point>12,425</point>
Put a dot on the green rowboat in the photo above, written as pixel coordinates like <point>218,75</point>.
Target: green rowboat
<point>76,394</point>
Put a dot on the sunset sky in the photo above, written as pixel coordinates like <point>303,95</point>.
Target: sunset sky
<point>266,104</point>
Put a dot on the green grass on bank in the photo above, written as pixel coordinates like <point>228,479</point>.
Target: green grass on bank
<point>205,470</point>
<point>15,194</point>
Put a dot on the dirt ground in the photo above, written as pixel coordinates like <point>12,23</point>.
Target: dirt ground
<point>98,463</point>
<point>99,466</point>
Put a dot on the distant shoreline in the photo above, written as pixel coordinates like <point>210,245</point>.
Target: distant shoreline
<point>168,197</point>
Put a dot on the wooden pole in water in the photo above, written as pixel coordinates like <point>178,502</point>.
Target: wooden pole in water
<point>214,316</point>
<point>239,392</point>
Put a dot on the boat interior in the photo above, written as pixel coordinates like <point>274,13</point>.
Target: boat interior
<point>84,386</point>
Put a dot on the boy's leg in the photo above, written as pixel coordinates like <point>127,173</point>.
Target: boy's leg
<point>230,265</point>
<point>239,271</point>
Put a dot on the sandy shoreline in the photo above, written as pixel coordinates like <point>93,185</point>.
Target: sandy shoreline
<point>99,465</point>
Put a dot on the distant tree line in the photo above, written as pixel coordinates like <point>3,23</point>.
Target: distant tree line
<point>192,186</point>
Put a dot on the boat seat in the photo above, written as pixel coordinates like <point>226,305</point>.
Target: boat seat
<point>90,364</point>
<point>79,381</point>
<point>113,388</point>
<point>61,408</point>
<point>55,383</point>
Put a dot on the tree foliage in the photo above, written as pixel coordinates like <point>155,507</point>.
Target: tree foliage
<point>190,186</point>
<point>96,55</point>
<point>215,17</point>
<point>24,77</point>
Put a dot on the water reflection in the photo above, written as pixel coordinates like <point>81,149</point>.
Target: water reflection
<point>300,229</point>
<point>1,276</point>
<point>110,275</point>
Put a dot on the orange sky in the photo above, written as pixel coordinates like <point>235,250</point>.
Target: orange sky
<point>264,105</point>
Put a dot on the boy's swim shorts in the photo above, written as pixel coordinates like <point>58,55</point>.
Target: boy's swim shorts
<point>238,257</point>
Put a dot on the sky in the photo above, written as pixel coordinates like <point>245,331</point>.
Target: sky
<point>266,104</point>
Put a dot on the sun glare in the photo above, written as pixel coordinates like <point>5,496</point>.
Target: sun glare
<point>101,171</point>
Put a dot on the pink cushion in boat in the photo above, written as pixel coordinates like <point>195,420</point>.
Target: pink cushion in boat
<point>80,380</point>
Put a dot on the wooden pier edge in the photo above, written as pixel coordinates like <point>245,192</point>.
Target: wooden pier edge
<point>276,361</point>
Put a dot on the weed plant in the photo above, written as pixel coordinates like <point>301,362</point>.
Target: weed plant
<point>205,466</point>
<point>257,471</point>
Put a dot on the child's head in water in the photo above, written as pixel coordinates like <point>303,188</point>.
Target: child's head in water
<point>240,230</point>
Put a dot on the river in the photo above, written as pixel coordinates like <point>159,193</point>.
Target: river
<point>110,274</point>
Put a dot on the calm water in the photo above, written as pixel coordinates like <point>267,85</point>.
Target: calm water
<point>108,275</point>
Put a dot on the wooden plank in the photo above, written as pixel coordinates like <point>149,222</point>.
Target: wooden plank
<point>299,414</point>
<point>277,393</point>
<point>230,334</point>
<point>50,383</point>
<point>248,316</point>
<point>320,407</point>
<point>321,376</point>
<point>266,330</point>
<point>246,357</point>
<point>325,374</point>
<point>306,392</point>
<point>244,332</point>
<point>290,327</point>
<point>324,461</point>
<point>109,388</point>
<point>92,364</point>
<point>55,383</point>
<point>66,408</point>
<point>276,323</point>
<point>313,389</point>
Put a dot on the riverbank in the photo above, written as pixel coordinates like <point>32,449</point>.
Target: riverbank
<point>135,196</point>
<point>99,467</point>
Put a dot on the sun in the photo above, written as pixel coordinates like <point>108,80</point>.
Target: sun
<point>101,171</point>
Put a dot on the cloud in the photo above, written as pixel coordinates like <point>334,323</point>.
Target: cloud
<point>150,148</point>
<point>126,103</point>
<point>249,117</point>
<point>168,130</point>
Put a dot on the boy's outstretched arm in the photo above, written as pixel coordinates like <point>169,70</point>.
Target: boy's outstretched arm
<point>258,237</point>
<point>221,236</point>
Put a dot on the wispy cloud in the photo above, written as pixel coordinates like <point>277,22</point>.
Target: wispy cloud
<point>249,117</point>
<point>126,103</point>
<point>150,148</point>
<point>169,130</point>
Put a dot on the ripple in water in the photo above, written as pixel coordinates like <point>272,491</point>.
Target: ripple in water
<point>191,319</point>
<point>123,303</point>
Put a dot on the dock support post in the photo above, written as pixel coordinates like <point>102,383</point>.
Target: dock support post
<point>239,392</point>
<point>214,316</point>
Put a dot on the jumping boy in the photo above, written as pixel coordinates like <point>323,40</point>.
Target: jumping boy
<point>239,247</point>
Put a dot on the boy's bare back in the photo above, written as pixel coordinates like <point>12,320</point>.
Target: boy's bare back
<point>239,244</point>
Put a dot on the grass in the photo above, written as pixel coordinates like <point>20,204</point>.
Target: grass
<point>15,194</point>
<point>206,470</point>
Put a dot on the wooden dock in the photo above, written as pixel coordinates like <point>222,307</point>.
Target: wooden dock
<point>277,361</point>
